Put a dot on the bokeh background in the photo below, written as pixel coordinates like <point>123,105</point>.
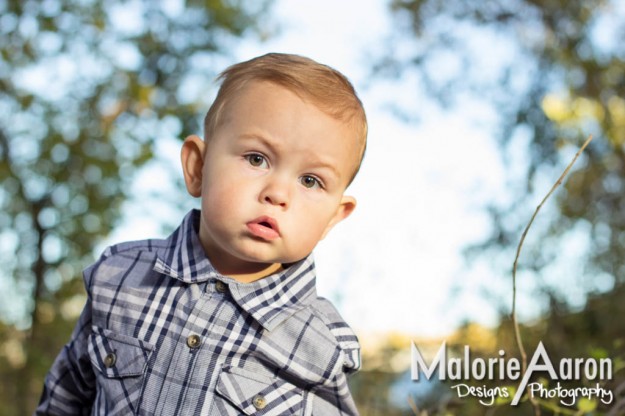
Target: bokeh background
<point>475,108</point>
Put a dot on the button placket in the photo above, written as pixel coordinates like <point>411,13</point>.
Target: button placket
<point>184,360</point>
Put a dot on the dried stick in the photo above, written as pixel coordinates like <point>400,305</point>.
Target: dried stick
<point>413,406</point>
<point>517,332</point>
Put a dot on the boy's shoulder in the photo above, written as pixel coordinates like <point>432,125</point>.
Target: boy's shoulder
<point>343,334</point>
<point>132,251</point>
<point>326,310</point>
<point>150,245</point>
<point>137,255</point>
<point>328,313</point>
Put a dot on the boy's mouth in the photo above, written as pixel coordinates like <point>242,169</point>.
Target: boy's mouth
<point>264,227</point>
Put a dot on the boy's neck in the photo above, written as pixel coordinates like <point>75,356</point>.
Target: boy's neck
<point>251,277</point>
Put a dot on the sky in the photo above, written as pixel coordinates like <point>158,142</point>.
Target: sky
<point>394,264</point>
<point>397,263</point>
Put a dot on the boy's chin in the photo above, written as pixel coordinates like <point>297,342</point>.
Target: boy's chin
<point>255,257</point>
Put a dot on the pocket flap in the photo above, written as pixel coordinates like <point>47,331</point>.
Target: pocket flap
<point>256,394</point>
<point>116,355</point>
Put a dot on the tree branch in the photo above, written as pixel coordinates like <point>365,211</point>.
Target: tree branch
<point>517,332</point>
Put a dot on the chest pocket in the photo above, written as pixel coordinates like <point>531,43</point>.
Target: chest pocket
<point>256,394</point>
<point>119,362</point>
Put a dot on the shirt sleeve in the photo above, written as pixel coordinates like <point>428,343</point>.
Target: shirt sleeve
<point>334,401</point>
<point>333,398</point>
<point>69,387</point>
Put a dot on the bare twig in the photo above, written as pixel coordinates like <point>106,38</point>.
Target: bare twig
<point>413,405</point>
<point>415,408</point>
<point>517,333</point>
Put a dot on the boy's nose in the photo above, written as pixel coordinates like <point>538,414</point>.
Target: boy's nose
<point>276,192</point>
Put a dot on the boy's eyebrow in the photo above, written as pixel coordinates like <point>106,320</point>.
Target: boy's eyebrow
<point>271,145</point>
<point>275,146</point>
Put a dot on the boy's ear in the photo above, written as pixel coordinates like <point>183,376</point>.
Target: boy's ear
<point>346,207</point>
<point>192,158</point>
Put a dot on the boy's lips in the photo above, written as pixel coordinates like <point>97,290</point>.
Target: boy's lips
<point>264,227</point>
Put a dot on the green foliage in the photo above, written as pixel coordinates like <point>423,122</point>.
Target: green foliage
<point>86,90</point>
<point>565,334</point>
<point>553,72</point>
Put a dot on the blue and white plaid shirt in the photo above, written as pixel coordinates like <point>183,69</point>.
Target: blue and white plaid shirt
<point>163,333</point>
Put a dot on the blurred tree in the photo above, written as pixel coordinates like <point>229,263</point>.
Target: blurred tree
<point>86,89</point>
<point>553,72</point>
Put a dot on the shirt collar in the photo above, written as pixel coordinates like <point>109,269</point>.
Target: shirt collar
<point>269,300</point>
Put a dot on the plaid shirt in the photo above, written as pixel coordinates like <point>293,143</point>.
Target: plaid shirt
<point>163,333</point>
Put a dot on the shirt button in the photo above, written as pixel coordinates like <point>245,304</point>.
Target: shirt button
<point>193,341</point>
<point>110,359</point>
<point>259,402</point>
<point>221,287</point>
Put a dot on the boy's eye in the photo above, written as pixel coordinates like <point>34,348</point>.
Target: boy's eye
<point>256,160</point>
<point>310,182</point>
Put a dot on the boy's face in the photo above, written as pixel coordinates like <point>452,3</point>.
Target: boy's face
<point>271,179</point>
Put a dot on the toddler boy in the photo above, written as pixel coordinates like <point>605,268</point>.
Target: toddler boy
<point>222,318</point>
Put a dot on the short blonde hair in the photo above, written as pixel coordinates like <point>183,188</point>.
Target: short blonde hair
<point>324,86</point>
